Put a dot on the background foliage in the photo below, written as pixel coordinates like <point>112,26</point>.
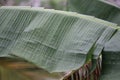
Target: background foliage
<point>54,4</point>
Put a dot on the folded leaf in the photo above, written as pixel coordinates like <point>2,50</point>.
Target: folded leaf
<point>52,38</point>
<point>56,41</point>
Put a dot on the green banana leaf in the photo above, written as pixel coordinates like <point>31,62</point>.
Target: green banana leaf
<point>56,41</point>
<point>97,8</point>
<point>111,59</point>
<point>50,45</point>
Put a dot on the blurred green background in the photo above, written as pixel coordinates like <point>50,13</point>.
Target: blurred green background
<point>51,4</point>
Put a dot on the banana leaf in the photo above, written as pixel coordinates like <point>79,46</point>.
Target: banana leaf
<point>111,59</point>
<point>56,41</point>
<point>98,8</point>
